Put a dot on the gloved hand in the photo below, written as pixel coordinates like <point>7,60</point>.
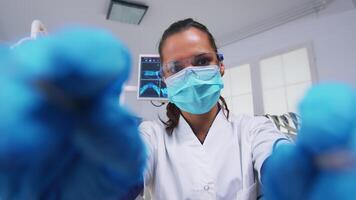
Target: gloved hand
<point>321,165</point>
<point>63,134</point>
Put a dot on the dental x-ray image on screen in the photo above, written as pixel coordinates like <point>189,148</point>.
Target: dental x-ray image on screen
<point>151,86</point>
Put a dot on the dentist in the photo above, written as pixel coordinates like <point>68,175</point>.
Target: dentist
<point>202,151</point>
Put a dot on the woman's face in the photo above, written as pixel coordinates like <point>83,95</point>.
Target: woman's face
<point>186,44</point>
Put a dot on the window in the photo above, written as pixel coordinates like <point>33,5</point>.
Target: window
<point>238,90</point>
<point>273,85</point>
<point>284,79</point>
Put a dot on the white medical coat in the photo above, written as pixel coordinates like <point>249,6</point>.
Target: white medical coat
<point>223,167</point>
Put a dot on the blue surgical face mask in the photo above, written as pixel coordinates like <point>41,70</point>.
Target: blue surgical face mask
<point>195,89</point>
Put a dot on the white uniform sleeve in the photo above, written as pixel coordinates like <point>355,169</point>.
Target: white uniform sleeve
<point>148,134</point>
<point>263,138</point>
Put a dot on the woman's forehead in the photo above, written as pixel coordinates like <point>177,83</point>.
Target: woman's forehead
<point>185,44</point>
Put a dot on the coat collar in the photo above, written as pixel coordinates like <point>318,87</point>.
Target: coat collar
<point>185,134</point>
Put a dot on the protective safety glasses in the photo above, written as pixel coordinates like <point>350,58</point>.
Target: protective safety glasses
<point>204,73</point>
<point>204,59</point>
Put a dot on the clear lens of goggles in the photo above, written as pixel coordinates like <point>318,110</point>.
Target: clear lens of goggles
<point>204,73</point>
<point>204,59</point>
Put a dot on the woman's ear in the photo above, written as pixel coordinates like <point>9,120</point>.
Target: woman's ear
<point>222,69</point>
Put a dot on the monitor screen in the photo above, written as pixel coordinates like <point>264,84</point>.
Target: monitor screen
<point>151,86</point>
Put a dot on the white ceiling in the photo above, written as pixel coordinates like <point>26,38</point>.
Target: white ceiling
<point>223,17</point>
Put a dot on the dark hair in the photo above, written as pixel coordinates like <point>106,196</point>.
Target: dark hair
<point>180,26</point>
<point>173,112</point>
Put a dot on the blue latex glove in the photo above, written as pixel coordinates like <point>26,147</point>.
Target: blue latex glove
<point>288,174</point>
<point>63,134</point>
<point>328,117</point>
<point>307,170</point>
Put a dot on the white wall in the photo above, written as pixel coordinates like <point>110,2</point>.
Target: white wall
<point>143,109</point>
<point>332,34</point>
